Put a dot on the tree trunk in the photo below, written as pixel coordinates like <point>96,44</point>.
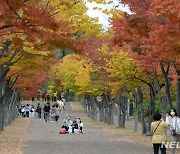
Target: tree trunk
<point>122,103</point>
<point>128,109</point>
<point>135,111</point>
<point>111,114</point>
<point>84,104</point>
<point>2,94</point>
<point>123,119</point>
<point>163,106</point>
<point>178,93</point>
<point>67,96</point>
<point>106,113</point>
<point>123,108</point>
<point>167,85</point>
<point>12,106</point>
<point>93,109</point>
<point>5,87</point>
<point>1,117</point>
<point>95,113</point>
<point>88,107</point>
<point>143,122</point>
<point>119,116</point>
<point>101,111</point>
<point>150,111</point>
<point>106,110</point>
<point>6,114</point>
<point>162,99</point>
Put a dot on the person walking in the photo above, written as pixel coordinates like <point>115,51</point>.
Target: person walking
<point>27,109</point>
<point>45,96</point>
<point>48,98</point>
<point>39,111</point>
<point>55,97</point>
<point>46,110</point>
<point>53,110</point>
<point>64,101</point>
<point>57,113</point>
<point>173,120</point>
<point>20,111</point>
<point>32,99</point>
<point>61,105</point>
<point>23,111</point>
<point>159,133</point>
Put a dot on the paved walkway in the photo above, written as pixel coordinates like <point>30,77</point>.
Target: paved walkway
<point>44,138</point>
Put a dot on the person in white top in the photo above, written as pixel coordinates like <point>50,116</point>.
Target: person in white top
<point>31,112</point>
<point>63,100</point>
<point>61,104</point>
<point>173,120</point>
<point>80,125</point>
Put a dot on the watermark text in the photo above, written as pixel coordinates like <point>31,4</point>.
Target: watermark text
<point>171,145</point>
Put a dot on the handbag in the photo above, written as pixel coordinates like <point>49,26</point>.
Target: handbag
<point>173,133</point>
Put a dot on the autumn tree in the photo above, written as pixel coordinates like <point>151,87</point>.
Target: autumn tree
<point>25,26</point>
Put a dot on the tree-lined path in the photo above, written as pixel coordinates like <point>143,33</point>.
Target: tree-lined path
<point>53,50</point>
<point>44,138</point>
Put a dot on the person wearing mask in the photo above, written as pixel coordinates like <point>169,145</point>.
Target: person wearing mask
<point>173,120</point>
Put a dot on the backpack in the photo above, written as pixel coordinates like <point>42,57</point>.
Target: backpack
<point>63,131</point>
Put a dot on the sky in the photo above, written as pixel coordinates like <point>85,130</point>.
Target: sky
<point>103,18</point>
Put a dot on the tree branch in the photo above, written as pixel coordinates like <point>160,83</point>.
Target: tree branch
<point>12,33</point>
<point>142,80</point>
<point>168,68</point>
<point>7,2</point>
<point>5,48</point>
<point>17,59</point>
<point>13,82</point>
<point>6,26</point>
<point>10,63</point>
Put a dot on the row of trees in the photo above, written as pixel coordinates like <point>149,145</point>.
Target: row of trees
<point>137,59</point>
<point>30,33</point>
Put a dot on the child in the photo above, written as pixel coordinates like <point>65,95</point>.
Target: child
<point>63,130</point>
